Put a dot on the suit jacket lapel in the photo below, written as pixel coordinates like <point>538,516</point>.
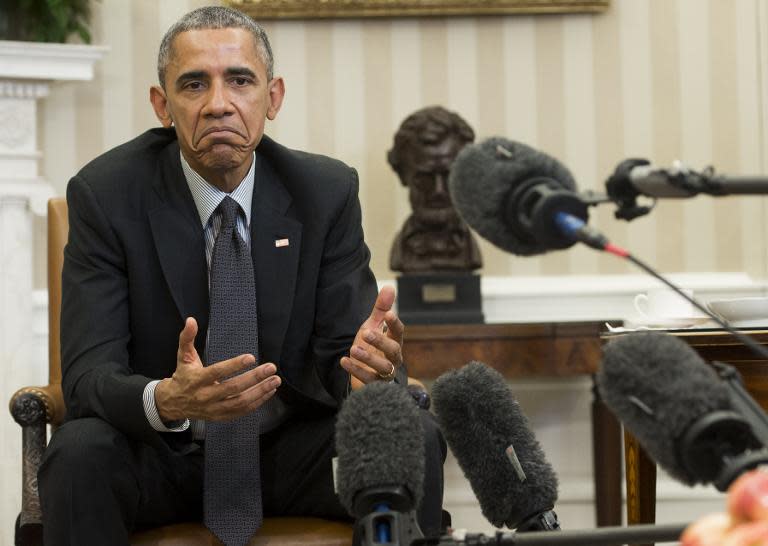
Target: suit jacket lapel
<point>275,247</point>
<point>178,238</point>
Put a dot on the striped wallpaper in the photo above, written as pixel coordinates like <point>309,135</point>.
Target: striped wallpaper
<point>662,79</point>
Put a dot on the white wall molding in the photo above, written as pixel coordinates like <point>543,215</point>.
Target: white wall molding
<point>41,61</point>
<point>595,297</point>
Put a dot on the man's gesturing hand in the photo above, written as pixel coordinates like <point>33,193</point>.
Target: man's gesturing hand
<point>376,352</point>
<point>214,392</point>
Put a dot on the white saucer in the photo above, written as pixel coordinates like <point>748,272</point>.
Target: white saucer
<point>665,323</point>
<point>756,323</point>
<point>742,312</point>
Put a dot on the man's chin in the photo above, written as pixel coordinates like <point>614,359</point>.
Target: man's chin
<point>224,157</point>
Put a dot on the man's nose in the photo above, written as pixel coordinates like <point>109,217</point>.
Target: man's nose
<point>218,103</point>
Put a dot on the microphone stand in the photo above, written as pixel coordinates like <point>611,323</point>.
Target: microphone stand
<point>743,402</point>
<point>635,177</point>
<point>602,536</point>
<point>757,420</point>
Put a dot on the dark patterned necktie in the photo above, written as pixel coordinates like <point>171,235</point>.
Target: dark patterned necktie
<point>232,486</point>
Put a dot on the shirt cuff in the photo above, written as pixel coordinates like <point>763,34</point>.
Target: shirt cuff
<point>150,409</point>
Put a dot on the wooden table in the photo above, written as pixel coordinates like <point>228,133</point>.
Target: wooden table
<point>722,346</point>
<point>529,350</point>
<point>711,345</point>
<point>516,350</point>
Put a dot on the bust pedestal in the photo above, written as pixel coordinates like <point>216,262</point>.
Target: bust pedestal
<point>439,298</point>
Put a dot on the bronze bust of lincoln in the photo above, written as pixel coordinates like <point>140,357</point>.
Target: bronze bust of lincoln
<point>434,237</point>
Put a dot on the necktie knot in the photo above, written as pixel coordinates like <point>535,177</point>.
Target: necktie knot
<point>229,210</point>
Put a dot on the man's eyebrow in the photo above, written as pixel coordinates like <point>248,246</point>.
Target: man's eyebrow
<point>191,75</point>
<point>240,71</point>
<point>202,74</point>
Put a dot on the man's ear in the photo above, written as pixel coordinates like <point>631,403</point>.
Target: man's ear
<point>276,95</point>
<point>160,105</point>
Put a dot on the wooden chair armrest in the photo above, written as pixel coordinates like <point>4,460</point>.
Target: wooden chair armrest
<point>30,405</point>
<point>33,408</point>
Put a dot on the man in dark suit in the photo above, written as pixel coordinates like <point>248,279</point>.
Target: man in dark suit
<point>144,218</point>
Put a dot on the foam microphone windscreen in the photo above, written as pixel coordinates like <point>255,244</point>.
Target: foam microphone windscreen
<point>658,386</point>
<point>481,420</point>
<point>481,180</point>
<point>379,442</point>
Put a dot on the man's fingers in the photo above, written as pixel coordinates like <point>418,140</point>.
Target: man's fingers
<point>359,370</point>
<point>248,400</point>
<point>395,327</point>
<point>376,361</point>
<point>229,378</point>
<point>382,342</point>
<point>221,390</point>
<point>220,371</point>
<point>187,352</point>
<point>234,386</point>
<point>384,302</point>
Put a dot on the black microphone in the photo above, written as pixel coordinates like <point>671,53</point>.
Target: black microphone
<point>498,453</point>
<point>511,195</point>
<point>380,467</point>
<point>678,408</point>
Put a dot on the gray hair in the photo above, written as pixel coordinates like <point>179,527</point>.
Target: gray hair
<point>214,17</point>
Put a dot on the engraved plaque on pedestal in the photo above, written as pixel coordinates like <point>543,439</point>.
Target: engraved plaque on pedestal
<point>439,298</point>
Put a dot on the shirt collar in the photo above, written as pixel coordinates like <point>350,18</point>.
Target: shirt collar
<point>207,196</point>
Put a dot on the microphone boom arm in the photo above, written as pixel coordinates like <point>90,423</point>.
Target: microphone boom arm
<point>635,177</point>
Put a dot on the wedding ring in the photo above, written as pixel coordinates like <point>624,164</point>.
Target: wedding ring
<point>387,376</point>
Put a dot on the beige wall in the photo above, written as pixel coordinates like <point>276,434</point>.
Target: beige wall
<point>662,79</point>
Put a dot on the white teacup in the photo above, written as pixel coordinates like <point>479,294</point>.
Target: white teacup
<point>665,303</point>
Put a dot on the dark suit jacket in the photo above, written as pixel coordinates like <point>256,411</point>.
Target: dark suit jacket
<point>134,268</point>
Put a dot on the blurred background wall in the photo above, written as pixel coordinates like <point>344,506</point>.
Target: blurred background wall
<point>661,79</point>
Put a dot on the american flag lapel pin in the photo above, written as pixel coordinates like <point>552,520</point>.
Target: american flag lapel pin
<point>281,243</point>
